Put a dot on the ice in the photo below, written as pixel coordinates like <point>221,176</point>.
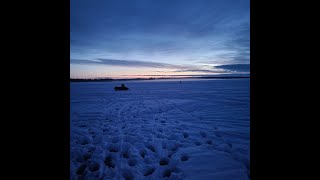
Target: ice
<point>199,129</point>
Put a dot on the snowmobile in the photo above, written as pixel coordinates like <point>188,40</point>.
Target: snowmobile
<point>122,87</point>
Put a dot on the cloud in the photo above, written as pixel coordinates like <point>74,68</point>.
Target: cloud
<point>203,70</point>
<point>229,68</point>
<point>235,67</point>
<point>166,29</point>
<point>194,75</point>
<point>125,63</point>
<point>135,63</point>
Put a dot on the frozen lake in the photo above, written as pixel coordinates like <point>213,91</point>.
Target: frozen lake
<point>199,129</point>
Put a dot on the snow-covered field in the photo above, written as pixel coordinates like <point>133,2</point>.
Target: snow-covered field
<point>199,129</point>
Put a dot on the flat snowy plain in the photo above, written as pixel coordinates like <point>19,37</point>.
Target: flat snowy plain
<point>161,129</point>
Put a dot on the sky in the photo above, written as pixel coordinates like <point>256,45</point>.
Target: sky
<point>152,38</point>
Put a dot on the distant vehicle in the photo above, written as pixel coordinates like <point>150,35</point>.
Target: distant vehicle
<point>122,87</point>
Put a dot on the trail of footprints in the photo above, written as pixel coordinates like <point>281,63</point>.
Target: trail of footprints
<point>132,140</point>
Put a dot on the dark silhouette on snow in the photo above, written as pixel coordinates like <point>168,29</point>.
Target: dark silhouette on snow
<point>122,87</point>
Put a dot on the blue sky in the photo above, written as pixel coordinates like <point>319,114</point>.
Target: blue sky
<point>131,38</point>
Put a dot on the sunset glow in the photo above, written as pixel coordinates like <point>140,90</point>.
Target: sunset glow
<point>138,38</point>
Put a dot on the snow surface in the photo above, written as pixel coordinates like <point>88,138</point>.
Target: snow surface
<point>199,129</point>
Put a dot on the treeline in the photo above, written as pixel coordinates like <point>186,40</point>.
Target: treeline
<point>110,79</point>
<point>201,77</point>
<point>91,80</point>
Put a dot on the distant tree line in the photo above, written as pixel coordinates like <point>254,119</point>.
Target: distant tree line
<point>90,80</point>
<point>110,79</point>
<point>151,78</point>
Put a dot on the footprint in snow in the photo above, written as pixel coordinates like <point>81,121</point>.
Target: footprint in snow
<point>203,134</point>
<point>184,157</point>
<point>185,134</point>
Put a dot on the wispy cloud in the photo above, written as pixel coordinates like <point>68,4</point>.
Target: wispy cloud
<point>235,67</point>
<point>126,63</point>
<point>164,30</point>
<point>149,64</point>
<point>203,70</point>
<point>192,75</point>
<point>161,37</point>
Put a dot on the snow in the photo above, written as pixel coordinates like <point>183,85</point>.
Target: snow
<point>199,129</point>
